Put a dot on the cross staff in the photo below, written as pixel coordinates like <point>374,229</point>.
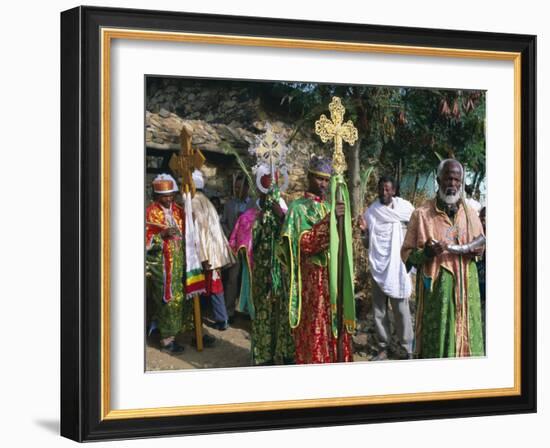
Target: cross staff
<point>183,164</point>
<point>338,131</point>
<point>188,160</point>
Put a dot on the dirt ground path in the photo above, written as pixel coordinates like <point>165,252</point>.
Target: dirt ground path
<point>232,347</point>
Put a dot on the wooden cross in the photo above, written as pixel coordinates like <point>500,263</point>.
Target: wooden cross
<point>188,160</point>
<point>183,164</point>
<point>337,130</point>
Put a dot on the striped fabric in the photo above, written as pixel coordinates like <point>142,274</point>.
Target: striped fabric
<point>194,276</point>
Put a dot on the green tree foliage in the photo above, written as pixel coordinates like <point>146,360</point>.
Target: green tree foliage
<point>404,131</point>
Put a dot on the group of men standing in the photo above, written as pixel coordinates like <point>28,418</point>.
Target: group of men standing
<point>279,258</point>
<point>435,239</point>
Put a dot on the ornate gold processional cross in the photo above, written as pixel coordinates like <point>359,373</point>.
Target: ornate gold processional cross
<point>337,130</point>
<point>188,160</point>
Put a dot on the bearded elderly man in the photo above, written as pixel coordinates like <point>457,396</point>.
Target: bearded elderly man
<point>443,238</point>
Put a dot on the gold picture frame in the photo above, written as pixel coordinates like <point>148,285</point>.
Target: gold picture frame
<point>86,378</point>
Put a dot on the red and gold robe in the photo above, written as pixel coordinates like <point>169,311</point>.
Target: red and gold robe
<point>157,221</point>
<point>165,263</point>
<point>306,238</point>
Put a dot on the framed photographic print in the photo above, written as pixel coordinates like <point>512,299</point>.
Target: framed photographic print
<point>275,224</point>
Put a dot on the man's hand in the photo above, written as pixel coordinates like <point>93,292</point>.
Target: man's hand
<point>278,211</point>
<point>362,223</point>
<point>206,266</point>
<point>434,248</point>
<point>168,233</point>
<point>478,251</point>
<point>340,209</point>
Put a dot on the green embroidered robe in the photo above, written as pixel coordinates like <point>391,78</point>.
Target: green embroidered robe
<point>448,317</point>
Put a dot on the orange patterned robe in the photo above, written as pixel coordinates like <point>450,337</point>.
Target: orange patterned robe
<point>448,317</point>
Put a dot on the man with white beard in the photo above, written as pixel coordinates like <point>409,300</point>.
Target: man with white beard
<point>442,242</point>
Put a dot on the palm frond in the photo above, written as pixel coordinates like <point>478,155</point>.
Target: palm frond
<point>228,149</point>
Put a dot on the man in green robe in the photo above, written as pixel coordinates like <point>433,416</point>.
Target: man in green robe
<point>448,318</point>
<point>264,284</point>
<point>165,263</point>
<point>307,235</point>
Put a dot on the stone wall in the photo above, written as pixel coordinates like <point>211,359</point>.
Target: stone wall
<point>224,119</point>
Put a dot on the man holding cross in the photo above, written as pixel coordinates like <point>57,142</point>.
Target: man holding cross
<point>305,252</point>
<point>317,250</point>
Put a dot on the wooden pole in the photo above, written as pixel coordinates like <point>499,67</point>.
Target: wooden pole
<point>197,311</point>
<point>198,322</point>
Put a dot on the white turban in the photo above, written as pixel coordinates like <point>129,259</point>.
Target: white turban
<point>198,180</point>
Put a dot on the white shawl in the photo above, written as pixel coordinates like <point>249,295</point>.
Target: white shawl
<point>385,226</point>
<point>193,265</point>
<point>213,245</point>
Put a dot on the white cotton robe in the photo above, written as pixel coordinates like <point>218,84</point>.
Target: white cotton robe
<point>386,235</point>
<point>213,245</point>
